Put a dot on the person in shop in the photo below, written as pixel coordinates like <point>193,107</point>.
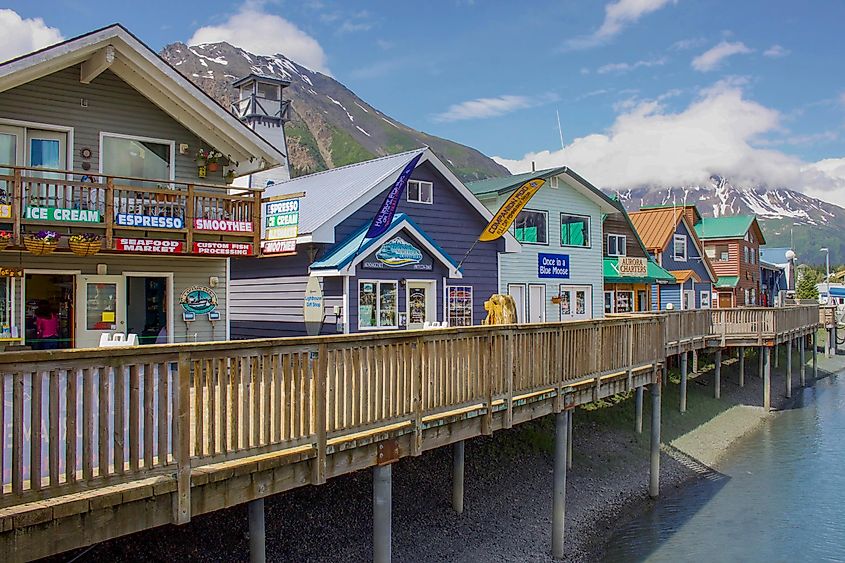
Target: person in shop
<point>46,327</point>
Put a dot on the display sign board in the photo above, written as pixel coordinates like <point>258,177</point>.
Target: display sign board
<point>198,300</point>
<point>5,211</point>
<point>399,254</point>
<point>280,222</point>
<point>278,247</point>
<point>553,266</point>
<point>312,307</point>
<point>223,248</point>
<point>148,221</point>
<point>631,267</point>
<point>61,215</point>
<point>148,245</point>
<point>223,225</point>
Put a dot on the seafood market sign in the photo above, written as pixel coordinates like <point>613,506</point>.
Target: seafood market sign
<point>399,254</point>
<point>198,300</point>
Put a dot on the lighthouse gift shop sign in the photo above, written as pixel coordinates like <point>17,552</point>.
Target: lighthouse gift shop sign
<point>61,215</point>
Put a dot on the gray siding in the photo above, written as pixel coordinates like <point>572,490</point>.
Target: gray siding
<point>276,299</point>
<point>112,106</point>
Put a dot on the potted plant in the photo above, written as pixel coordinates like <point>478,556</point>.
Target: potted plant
<point>5,239</point>
<point>214,161</point>
<point>202,162</point>
<point>229,176</point>
<point>85,244</point>
<point>42,242</point>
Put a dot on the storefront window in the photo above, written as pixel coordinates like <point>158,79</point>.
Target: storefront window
<point>5,307</point>
<point>531,227</point>
<point>459,310</point>
<point>377,307</point>
<point>574,230</point>
<point>642,300</point>
<point>137,158</point>
<point>624,301</point>
<point>608,302</point>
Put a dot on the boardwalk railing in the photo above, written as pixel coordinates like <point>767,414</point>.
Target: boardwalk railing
<point>78,420</point>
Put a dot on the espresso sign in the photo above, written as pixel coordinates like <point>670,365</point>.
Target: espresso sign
<point>630,267</point>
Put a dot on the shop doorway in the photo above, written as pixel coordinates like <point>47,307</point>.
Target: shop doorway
<point>576,302</point>
<point>725,300</point>
<point>689,299</point>
<point>536,303</point>
<point>517,291</point>
<point>45,295</point>
<point>421,303</point>
<point>148,308</point>
<point>100,308</point>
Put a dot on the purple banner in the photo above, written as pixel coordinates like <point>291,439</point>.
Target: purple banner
<point>385,214</point>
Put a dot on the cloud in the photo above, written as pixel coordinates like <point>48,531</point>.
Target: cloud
<point>21,36</point>
<point>716,133</point>
<point>617,16</point>
<point>686,44</point>
<point>482,108</point>
<point>713,57</point>
<point>619,68</point>
<point>776,52</point>
<point>254,29</point>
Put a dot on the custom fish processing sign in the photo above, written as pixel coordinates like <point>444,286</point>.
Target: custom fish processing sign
<point>553,266</point>
<point>198,300</point>
<point>61,215</point>
<point>312,306</point>
<point>399,254</point>
<point>631,267</point>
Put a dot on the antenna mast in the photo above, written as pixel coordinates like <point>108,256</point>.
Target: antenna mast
<point>559,129</point>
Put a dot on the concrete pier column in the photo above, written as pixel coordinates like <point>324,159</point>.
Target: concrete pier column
<point>695,361</point>
<point>654,451</point>
<point>458,476</point>
<point>684,382</point>
<point>559,491</point>
<point>815,357</point>
<point>830,338</point>
<point>382,509</point>
<point>717,377</point>
<point>257,545</point>
<point>742,366</point>
<point>777,359</point>
<point>760,373</point>
<point>789,369</point>
<point>767,379</point>
<point>638,410</point>
<point>802,371</point>
<point>569,427</point>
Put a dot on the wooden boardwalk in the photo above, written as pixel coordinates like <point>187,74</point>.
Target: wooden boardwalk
<point>100,443</point>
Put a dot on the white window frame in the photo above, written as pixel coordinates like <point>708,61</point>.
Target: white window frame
<point>632,305</point>
<point>589,231</point>
<point>675,240</point>
<point>554,182</point>
<point>612,295</point>
<point>141,139</point>
<point>526,210</point>
<point>449,316</point>
<point>26,125</point>
<point>704,295</point>
<point>420,184</point>
<point>378,284</point>
<point>624,246</point>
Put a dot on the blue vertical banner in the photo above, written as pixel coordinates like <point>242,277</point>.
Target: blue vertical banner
<point>385,214</point>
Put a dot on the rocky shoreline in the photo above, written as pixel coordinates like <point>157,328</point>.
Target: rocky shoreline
<point>508,486</point>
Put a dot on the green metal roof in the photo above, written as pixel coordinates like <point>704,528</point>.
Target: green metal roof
<point>725,282</point>
<point>734,226</point>
<point>655,273</point>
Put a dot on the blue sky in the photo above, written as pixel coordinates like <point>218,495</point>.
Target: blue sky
<point>752,86</point>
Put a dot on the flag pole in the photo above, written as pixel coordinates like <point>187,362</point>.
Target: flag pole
<point>467,254</point>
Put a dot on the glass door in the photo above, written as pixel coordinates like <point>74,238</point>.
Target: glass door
<point>420,299</point>
<point>11,154</point>
<point>47,149</point>
<point>575,302</point>
<point>100,308</point>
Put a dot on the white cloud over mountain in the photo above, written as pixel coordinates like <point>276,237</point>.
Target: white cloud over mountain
<point>254,29</point>
<point>713,57</point>
<point>481,108</point>
<point>617,16</point>
<point>20,36</point>
<point>716,134</point>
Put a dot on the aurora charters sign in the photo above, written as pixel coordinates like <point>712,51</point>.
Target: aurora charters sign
<point>630,267</point>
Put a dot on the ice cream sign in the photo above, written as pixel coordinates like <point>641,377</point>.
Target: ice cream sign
<point>61,215</point>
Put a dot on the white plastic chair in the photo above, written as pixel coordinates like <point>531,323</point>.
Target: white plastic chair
<point>118,339</point>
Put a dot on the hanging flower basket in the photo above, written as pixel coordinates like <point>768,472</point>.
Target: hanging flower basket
<point>87,244</point>
<point>5,240</point>
<point>42,243</point>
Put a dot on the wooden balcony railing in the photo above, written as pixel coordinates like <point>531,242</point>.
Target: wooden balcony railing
<point>32,199</point>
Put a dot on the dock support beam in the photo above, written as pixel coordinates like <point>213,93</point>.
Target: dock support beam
<point>382,508</point>
<point>717,377</point>
<point>638,417</point>
<point>654,474</point>
<point>802,373</point>
<point>684,359</point>
<point>257,546</point>
<point>767,379</point>
<point>559,492</point>
<point>777,358</point>
<point>830,337</point>
<point>742,366</point>
<point>458,476</point>
<point>569,427</point>
<point>815,358</point>
<point>789,369</point>
<point>760,374</point>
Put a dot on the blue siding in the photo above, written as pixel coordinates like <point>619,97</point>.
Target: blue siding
<point>669,293</point>
<point>694,260</point>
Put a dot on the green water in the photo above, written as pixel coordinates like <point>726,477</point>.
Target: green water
<point>779,497</point>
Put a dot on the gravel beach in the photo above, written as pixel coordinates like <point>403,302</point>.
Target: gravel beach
<point>507,515</point>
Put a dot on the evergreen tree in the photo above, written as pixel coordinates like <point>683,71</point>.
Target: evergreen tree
<point>806,288</point>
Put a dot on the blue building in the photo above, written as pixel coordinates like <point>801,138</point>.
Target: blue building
<point>405,278</point>
<point>670,238</point>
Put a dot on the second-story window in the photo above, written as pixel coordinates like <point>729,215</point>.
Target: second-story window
<point>531,227</point>
<point>420,192</point>
<point>616,245</point>
<point>679,243</point>
<point>574,230</point>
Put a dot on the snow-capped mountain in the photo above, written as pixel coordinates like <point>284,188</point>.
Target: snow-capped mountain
<point>330,125</point>
<point>788,217</point>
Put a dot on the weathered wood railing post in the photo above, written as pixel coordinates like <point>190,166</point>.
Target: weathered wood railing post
<point>318,474</point>
<point>416,394</point>
<point>182,440</point>
<point>717,376</point>
<point>508,377</point>
<point>17,206</point>
<point>109,218</point>
<point>190,215</point>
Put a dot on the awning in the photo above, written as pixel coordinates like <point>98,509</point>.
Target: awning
<point>727,282</point>
<point>654,273</point>
<point>682,276</point>
<point>341,261</point>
